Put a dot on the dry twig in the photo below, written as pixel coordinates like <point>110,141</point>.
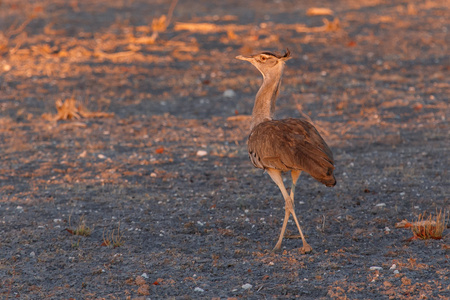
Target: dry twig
<point>70,110</point>
<point>319,11</point>
<point>160,24</point>
<point>6,37</point>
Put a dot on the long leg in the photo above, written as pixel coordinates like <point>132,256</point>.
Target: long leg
<point>289,209</point>
<point>294,174</point>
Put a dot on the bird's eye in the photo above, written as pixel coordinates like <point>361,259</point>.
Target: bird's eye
<point>263,58</point>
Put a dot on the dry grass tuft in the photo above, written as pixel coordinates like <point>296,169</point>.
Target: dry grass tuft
<point>71,110</point>
<point>14,34</point>
<point>430,228</point>
<point>426,227</point>
<point>113,239</point>
<point>160,24</point>
<point>82,229</point>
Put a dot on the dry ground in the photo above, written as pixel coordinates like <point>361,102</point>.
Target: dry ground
<point>374,77</point>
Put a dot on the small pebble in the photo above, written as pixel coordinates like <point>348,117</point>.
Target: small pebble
<point>393,267</point>
<point>144,275</point>
<point>396,272</point>
<point>229,93</point>
<point>197,289</point>
<point>247,286</point>
<point>32,254</point>
<point>376,268</point>
<point>380,204</point>
<point>201,153</point>
<point>101,156</point>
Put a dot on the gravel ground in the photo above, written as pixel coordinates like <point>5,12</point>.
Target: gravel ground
<point>158,199</point>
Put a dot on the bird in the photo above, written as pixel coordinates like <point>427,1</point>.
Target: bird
<point>284,145</point>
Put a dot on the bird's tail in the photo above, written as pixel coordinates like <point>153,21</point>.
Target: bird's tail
<point>328,179</point>
<point>331,182</point>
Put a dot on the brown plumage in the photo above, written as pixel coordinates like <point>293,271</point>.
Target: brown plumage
<point>291,144</point>
<point>284,145</point>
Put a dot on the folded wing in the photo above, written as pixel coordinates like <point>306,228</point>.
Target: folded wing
<point>291,144</point>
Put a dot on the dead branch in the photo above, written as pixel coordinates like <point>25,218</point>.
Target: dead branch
<point>70,110</point>
<point>10,32</point>
<point>5,38</point>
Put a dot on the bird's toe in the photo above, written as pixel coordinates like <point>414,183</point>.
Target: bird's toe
<point>306,249</point>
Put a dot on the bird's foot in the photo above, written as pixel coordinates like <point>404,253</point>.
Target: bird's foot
<point>306,248</point>
<point>276,248</point>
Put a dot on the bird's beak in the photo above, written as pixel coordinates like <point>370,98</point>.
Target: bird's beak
<point>241,57</point>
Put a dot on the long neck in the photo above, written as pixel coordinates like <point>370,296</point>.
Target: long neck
<point>266,98</point>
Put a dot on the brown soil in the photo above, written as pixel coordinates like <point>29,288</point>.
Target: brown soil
<point>167,221</point>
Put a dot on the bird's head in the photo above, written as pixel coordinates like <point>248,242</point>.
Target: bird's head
<point>267,62</point>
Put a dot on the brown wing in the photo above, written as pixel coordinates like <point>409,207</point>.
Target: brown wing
<point>291,144</point>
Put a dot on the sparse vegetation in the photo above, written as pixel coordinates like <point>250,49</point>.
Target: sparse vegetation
<point>114,238</point>
<point>431,227</point>
<point>76,244</point>
<point>82,229</point>
<point>71,110</point>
